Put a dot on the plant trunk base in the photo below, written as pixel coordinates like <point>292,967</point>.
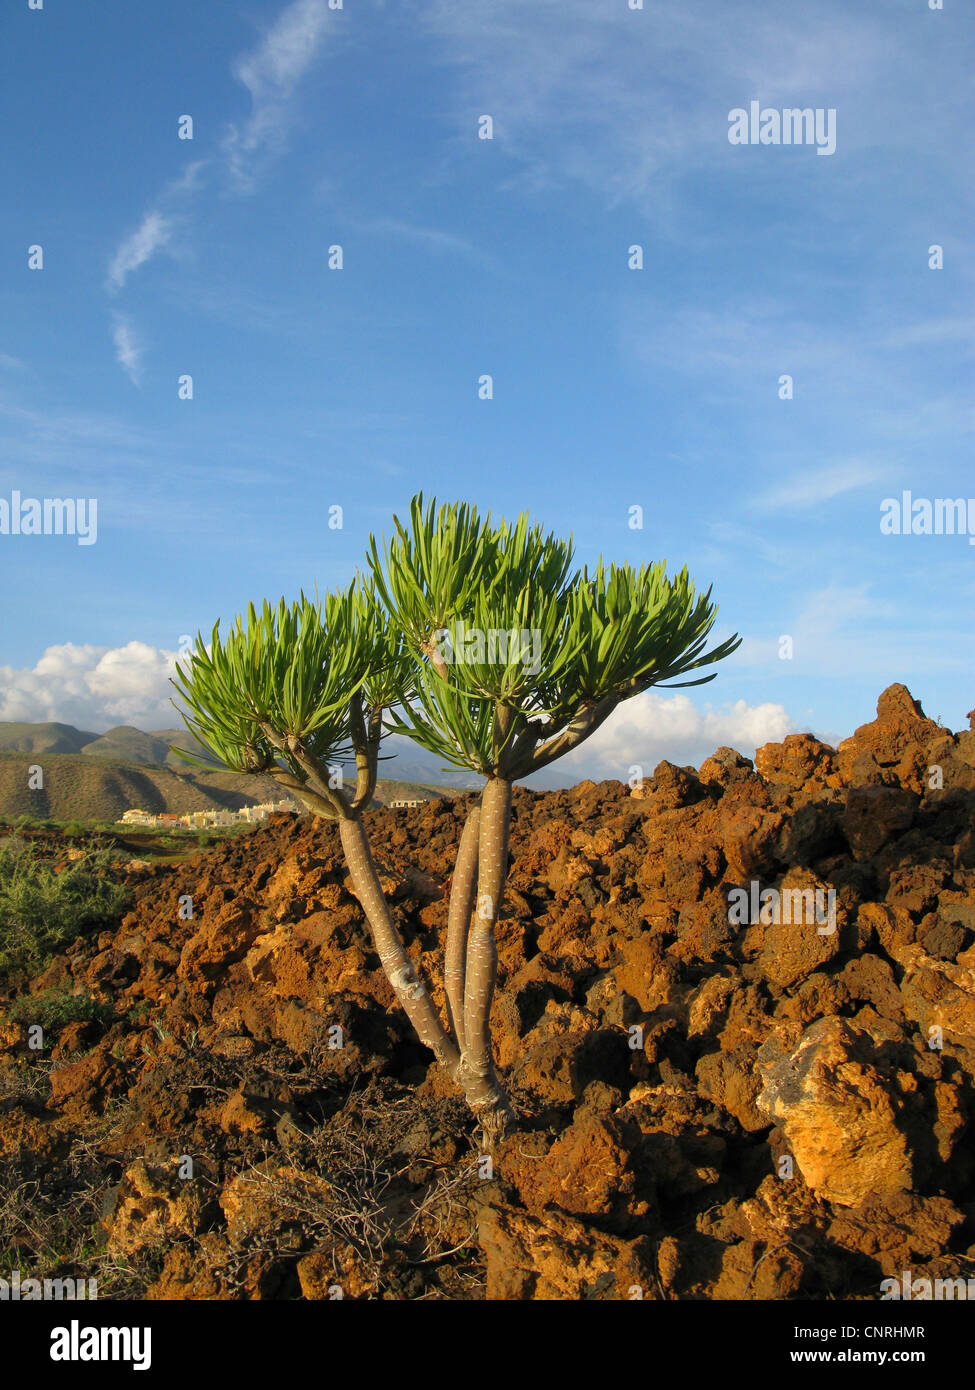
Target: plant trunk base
<point>489,1102</point>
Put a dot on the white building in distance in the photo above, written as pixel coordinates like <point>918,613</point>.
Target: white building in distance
<point>211,817</point>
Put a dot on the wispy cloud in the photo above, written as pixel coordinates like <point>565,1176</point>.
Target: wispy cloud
<point>432,237</point>
<point>271,72</point>
<point>152,233</point>
<point>128,348</point>
<point>187,182</point>
<point>651,89</point>
<point>932,331</point>
<point>847,632</point>
<point>860,372</point>
<point>763,335</point>
<point>54,431</point>
<point>811,489</point>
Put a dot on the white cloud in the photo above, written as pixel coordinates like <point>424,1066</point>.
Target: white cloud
<point>652,727</point>
<point>271,72</point>
<point>92,687</point>
<point>153,232</point>
<point>128,349</point>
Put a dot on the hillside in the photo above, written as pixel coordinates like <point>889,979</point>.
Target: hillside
<point>42,738</point>
<point>403,760</point>
<point>126,767</point>
<point>79,788</point>
<point>100,789</point>
<point>388,789</point>
<point>127,744</point>
<point>123,743</point>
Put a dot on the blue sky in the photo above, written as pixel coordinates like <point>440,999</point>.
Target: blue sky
<point>613,387</point>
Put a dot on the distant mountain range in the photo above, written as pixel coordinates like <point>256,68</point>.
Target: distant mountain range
<point>124,742</point>
<point>90,776</point>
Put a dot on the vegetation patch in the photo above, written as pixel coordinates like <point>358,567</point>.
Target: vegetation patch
<point>43,907</point>
<point>53,1009</point>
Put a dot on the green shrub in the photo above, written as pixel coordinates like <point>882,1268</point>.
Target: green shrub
<point>41,911</point>
<point>54,1008</point>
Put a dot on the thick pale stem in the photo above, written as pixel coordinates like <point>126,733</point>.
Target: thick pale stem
<point>482,954</point>
<point>309,799</point>
<point>410,990</point>
<point>365,765</point>
<point>374,733</point>
<point>462,892</point>
<point>476,1072</point>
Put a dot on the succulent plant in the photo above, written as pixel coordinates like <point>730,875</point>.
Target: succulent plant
<point>480,642</point>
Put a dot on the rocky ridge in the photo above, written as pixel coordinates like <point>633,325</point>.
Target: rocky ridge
<point>711,1109</point>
